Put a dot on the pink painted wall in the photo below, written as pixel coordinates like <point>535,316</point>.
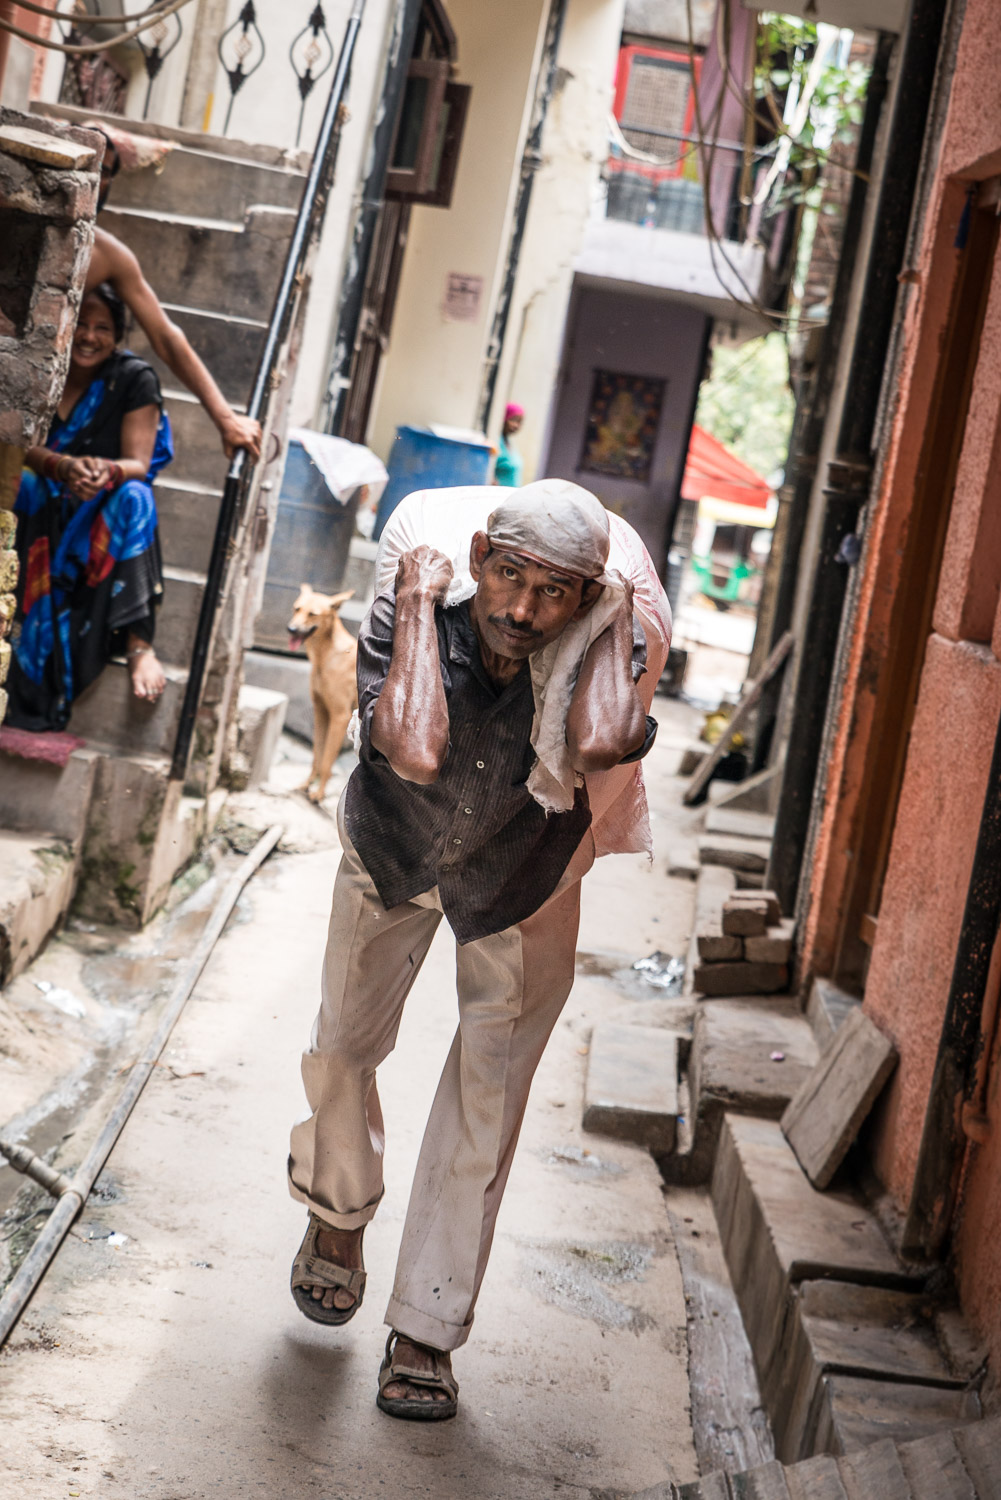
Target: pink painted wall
<point>925,892</point>
<point>959,701</point>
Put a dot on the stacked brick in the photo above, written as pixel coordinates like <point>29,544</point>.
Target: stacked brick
<point>48,198</point>
<point>747,952</point>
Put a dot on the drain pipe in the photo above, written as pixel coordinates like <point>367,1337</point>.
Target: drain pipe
<point>850,473</point>
<point>308,220</point>
<point>531,161</point>
<point>72,1193</point>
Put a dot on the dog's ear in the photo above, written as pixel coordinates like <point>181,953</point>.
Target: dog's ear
<point>336,600</point>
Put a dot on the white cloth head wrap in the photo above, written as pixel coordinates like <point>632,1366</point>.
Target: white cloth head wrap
<point>552,520</point>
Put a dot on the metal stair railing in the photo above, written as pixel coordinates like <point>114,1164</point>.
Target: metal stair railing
<point>307,226</point>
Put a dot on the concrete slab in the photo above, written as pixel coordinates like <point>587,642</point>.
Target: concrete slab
<point>827,1111</point>
<point>37,879</point>
<point>748,1056</point>
<point>777,1231</point>
<point>853,1413</point>
<point>717,946</point>
<point>631,1089</point>
<point>774,946</point>
<point>827,1007</point>
<point>735,853</point>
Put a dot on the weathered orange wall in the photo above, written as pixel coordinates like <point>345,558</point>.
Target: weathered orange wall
<point>958,706</point>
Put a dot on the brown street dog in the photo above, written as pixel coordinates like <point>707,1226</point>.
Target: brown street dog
<point>333,687</point>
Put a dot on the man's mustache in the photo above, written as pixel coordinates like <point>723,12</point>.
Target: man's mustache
<point>505,622</point>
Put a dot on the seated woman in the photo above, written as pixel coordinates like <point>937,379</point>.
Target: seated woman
<point>87,540</point>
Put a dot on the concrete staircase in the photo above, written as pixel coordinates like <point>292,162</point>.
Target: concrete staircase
<point>963,1463</point>
<point>211,231</point>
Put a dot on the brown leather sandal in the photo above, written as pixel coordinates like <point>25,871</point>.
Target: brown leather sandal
<point>409,1409</point>
<point>311,1269</point>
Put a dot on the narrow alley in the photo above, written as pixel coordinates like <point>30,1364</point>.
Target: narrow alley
<point>512,486</point>
<point>169,1361</point>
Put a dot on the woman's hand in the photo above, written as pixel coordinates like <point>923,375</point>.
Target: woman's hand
<point>85,476</point>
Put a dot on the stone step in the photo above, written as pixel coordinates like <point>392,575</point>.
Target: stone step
<point>108,712</point>
<point>37,882</point>
<point>190,176</point>
<point>748,1057</point>
<point>827,1007</point>
<point>177,615</point>
<point>36,794</point>
<point>288,675</point>
<point>962,1463</point>
<point>230,346</point>
<point>259,722</point>
<point>740,823</point>
<point>778,1231</point>
<point>631,1089</point>
<point>211,265</point>
<point>836,1328</point>
<point>141,830</point>
<point>853,1413</point>
<point>187,514</point>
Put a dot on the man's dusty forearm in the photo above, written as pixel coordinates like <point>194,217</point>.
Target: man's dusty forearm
<point>410,720</point>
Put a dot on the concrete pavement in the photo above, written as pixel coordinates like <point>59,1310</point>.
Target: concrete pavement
<point>169,1361</point>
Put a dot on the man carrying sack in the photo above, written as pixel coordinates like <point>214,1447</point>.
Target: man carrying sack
<point>502,663</point>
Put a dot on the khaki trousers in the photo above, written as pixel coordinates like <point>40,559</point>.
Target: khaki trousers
<point>512,987</point>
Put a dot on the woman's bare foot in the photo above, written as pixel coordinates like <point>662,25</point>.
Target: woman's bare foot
<point>418,1357</point>
<point>343,1247</point>
<point>148,681</point>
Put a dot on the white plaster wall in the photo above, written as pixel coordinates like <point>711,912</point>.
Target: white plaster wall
<point>574,147</point>
<point>432,370</point>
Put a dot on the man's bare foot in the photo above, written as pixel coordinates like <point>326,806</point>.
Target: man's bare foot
<point>418,1357</point>
<point>343,1247</point>
<point>148,681</point>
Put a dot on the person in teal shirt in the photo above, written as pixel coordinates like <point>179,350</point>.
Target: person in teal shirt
<point>507,469</point>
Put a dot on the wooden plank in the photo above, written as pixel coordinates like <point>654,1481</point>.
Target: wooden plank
<point>729,1424</point>
<point>739,717</point>
<point>824,1117</point>
<point>935,1469</point>
<point>980,1449</point>
<point>874,1473</point>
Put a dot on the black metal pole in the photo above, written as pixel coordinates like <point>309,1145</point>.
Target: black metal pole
<point>850,490</point>
<point>531,160</point>
<point>940,1159</point>
<point>308,220</point>
<point>372,202</point>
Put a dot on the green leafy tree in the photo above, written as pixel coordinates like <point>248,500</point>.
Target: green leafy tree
<point>747,404</point>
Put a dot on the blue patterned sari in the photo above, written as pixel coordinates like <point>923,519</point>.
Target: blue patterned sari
<point>89,569</point>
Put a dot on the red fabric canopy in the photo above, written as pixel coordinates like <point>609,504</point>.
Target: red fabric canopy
<point>711,469</point>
